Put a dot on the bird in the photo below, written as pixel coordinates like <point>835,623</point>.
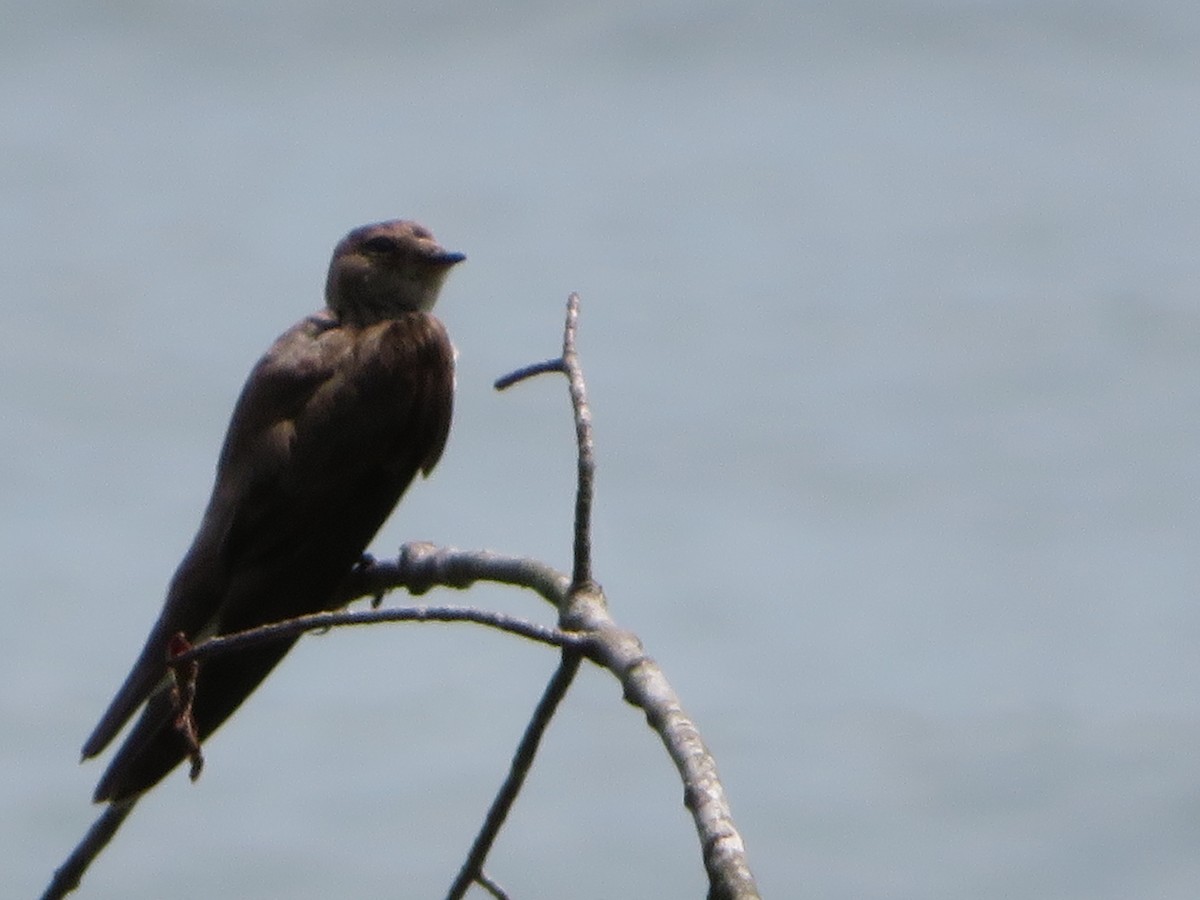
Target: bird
<point>333,424</point>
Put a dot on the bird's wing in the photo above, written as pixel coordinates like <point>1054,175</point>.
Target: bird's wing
<point>380,415</point>
<point>330,428</point>
<point>280,384</point>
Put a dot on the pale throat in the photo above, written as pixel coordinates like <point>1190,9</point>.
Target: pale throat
<point>376,300</point>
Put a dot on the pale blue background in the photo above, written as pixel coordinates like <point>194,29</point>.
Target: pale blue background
<point>892,330</point>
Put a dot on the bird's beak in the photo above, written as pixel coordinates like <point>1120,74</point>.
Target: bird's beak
<point>447,258</point>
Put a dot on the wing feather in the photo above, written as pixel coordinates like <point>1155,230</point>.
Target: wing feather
<point>333,424</point>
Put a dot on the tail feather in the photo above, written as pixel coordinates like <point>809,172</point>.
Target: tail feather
<point>146,674</point>
<point>154,747</point>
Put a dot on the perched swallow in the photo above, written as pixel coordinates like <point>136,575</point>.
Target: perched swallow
<point>333,424</point>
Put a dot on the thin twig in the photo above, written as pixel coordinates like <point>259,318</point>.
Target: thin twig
<point>581,573</point>
<point>507,381</point>
<point>581,580</point>
<point>519,769</point>
<point>228,643</point>
<point>568,364</point>
<point>67,876</point>
<point>491,886</point>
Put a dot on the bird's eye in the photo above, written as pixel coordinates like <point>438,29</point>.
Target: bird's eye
<point>379,244</point>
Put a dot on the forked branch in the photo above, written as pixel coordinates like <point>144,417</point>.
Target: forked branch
<point>584,610</point>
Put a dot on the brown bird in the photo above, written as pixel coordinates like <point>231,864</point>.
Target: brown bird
<point>332,425</point>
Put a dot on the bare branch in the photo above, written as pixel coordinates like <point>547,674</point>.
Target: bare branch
<point>522,762</point>
<point>507,381</point>
<point>491,886</point>
<point>66,877</point>
<point>581,574</point>
<point>568,364</point>
<point>583,609</point>
<point>215,646</point>
<point>646,687</point>
<point>581,577</point>
<point>586,617</point>
<point>585,614</point>
<point>422,565</point>
<point>588,630</point>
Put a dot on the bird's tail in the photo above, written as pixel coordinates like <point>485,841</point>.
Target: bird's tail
<point>149,670</point>
<point>155,745</point>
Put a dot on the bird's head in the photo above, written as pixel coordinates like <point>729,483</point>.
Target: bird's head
<point>380,271</point>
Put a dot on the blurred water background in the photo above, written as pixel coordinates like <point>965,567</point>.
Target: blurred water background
<point>892,331</point>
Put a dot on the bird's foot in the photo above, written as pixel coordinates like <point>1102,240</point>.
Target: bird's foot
<point>183,696</point>
<point>365,562</point>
